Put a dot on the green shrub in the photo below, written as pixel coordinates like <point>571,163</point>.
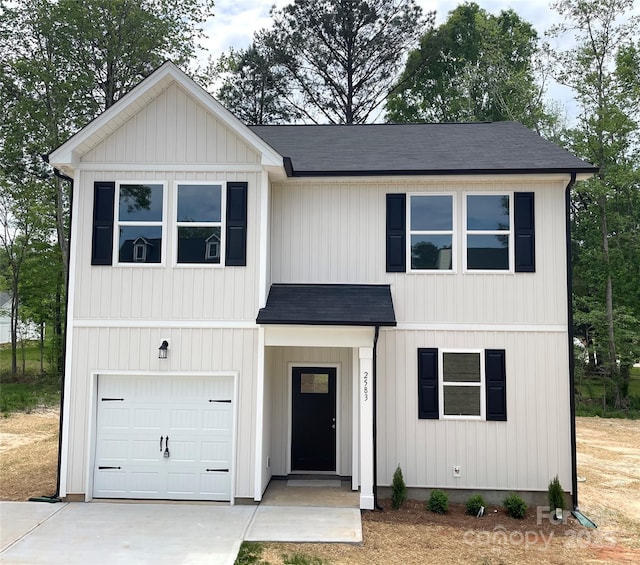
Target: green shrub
<point>515,506</point>
<point>556,494</point>
<point>474,504</point>
<point>438,502</point>
<point>398,489</point>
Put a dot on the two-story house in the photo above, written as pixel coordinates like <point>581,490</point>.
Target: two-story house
<point>251,302</point>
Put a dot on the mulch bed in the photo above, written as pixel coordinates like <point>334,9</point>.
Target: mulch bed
<point>415,512</point>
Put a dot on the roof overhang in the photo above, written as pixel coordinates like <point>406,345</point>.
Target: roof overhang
<point>328,305</point>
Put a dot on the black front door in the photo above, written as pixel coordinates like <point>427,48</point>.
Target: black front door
<point>313,419</point>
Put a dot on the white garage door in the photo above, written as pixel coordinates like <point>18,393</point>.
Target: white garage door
<point>164,437</point>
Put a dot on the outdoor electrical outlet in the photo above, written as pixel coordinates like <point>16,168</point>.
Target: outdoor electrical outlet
<point>456,471</point>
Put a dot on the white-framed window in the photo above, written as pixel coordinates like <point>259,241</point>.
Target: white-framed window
<point>488,233</point>
<point>462,384</point>
<point>432,240</point>
<point>199,222</point>
<point>139,217</point>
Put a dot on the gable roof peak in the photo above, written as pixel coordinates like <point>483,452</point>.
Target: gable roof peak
<point>67,156</point>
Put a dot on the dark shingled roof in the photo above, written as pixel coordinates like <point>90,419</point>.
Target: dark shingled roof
<point>411,149</point>
<point>329,304</point>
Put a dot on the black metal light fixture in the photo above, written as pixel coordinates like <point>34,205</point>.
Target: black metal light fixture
<point>163,349</point>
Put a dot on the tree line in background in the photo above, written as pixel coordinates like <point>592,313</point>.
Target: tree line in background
<point>336,61</point>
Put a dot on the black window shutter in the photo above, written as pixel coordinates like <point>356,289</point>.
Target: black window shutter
<point>524,229</point>
<point>496,384</point>
<point>396,233</point>
<point>102,239</point>
<point>428,384</point>
<point>236,236</point>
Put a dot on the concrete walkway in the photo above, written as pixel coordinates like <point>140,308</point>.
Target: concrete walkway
<point>113,533</point>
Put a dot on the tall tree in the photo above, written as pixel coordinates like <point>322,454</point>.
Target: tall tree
<point>62,62</point>
<point>254,89</point>
<point>603,71</point>
<point>473,67</point>
<point>341,57</point>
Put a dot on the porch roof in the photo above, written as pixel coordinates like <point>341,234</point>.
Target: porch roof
<point>329,304</point>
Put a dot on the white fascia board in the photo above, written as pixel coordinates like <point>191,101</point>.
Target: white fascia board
<point>319,336</point>
<point>64,157</point>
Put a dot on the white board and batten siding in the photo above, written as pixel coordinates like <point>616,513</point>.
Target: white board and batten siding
<point>163,291</point>
<point>523,313</point>
<point>121,314</point>
<point>206,357</point>
<point>308,211</point>
<point>523,453</point>
<point>164,437</point>
<point>173,128</point>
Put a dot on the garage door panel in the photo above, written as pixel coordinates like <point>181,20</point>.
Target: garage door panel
<point>219,418</point>
<point>215,485</point>
<point>185,419</point>
<point>216,451</point>
<point>144,484</point>
<point>115,418</point>
<point>145,450</point>
<point>199,435</point>
<point>147,419</point>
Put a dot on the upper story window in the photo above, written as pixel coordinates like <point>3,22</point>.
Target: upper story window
<point>199,223</point>
<point>431,232</point>
<point>140,222</point>
<point>488,232</point>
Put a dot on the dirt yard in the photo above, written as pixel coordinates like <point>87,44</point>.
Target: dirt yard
<point>609,491</point>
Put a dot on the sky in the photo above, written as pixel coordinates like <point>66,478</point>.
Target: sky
<point>235,22</point>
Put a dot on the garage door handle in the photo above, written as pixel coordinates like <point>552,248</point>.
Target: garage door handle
<point>101,468</point>
<point>225,401</point>
<point>219,470</point>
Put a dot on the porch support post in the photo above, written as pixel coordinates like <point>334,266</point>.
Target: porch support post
<point>355,419</point>
<point>366,428</point>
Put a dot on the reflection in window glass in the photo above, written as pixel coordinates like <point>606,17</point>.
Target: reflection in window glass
<point>199,203</point>
<point>489,252</point>
<point>140,203</point>
<point>488,233</point>
<point>199,223</point>
<point>431,232</point>
<point>198,245</point>
<point>139,220</point>
<point>488,212</point>
<point>431,213</point>
<point>431,252</point>
<point>140,244</point>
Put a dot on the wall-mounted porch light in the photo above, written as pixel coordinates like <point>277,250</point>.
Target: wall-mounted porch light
<point>163,349</point>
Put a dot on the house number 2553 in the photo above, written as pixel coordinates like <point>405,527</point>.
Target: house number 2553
<point>365,388</point>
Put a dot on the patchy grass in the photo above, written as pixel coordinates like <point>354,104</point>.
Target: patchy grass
<point>594,397</point>
<point>251,553</point>
<point>25,397</point>
<point>28,361</point>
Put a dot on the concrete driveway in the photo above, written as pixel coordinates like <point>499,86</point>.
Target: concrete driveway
<point>123,532</point>
<point>108,533</point>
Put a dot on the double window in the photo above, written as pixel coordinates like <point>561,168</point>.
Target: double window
<point>130,223</point>
<point>498,232</point>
